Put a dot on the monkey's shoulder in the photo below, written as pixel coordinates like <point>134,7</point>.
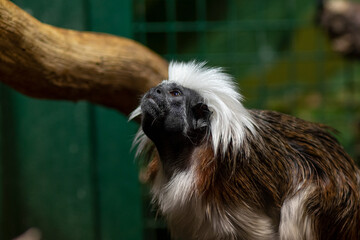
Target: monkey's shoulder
<point>287,124</point>
<point>294,137</point>
<point>304,136</point>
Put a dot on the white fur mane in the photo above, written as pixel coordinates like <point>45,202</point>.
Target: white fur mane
<point>229,119</point>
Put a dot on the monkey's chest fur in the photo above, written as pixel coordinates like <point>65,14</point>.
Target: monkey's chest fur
<point>189,216</point>
<point>290,181</point>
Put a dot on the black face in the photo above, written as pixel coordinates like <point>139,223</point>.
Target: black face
<point>172,113</point>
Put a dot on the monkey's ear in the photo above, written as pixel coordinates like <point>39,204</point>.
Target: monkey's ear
<point>201,114</point>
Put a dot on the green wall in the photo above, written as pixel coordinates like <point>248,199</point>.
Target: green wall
<point>66,168</point>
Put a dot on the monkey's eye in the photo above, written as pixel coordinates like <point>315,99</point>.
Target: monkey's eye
<point>175,93</point>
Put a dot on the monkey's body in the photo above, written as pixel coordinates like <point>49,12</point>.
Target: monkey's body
<point>285,179</point>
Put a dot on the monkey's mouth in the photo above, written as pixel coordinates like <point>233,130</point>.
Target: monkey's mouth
<point>151,107</point>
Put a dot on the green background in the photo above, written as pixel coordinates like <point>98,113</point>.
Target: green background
<point>66,168</point>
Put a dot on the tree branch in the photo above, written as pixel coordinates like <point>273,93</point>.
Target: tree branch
<point>47,62</point>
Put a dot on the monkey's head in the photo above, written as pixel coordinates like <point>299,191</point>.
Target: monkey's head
<point>195,105</point>
<point>173,113</point>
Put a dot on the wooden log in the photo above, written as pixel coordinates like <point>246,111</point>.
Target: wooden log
<point>47,62</point>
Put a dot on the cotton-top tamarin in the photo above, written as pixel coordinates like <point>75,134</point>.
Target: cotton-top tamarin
<point>220,171</point>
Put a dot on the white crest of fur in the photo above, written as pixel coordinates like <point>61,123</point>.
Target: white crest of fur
<point>229,119</point>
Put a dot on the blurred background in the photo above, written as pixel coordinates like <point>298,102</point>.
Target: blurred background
<point>66,168</point>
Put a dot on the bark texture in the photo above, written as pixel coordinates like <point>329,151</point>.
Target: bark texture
<point>44,61</point>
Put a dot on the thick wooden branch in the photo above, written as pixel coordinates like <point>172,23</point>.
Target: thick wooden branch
<point>47,62</point>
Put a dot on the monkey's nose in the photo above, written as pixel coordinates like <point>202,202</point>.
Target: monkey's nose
<point>156,91</point>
